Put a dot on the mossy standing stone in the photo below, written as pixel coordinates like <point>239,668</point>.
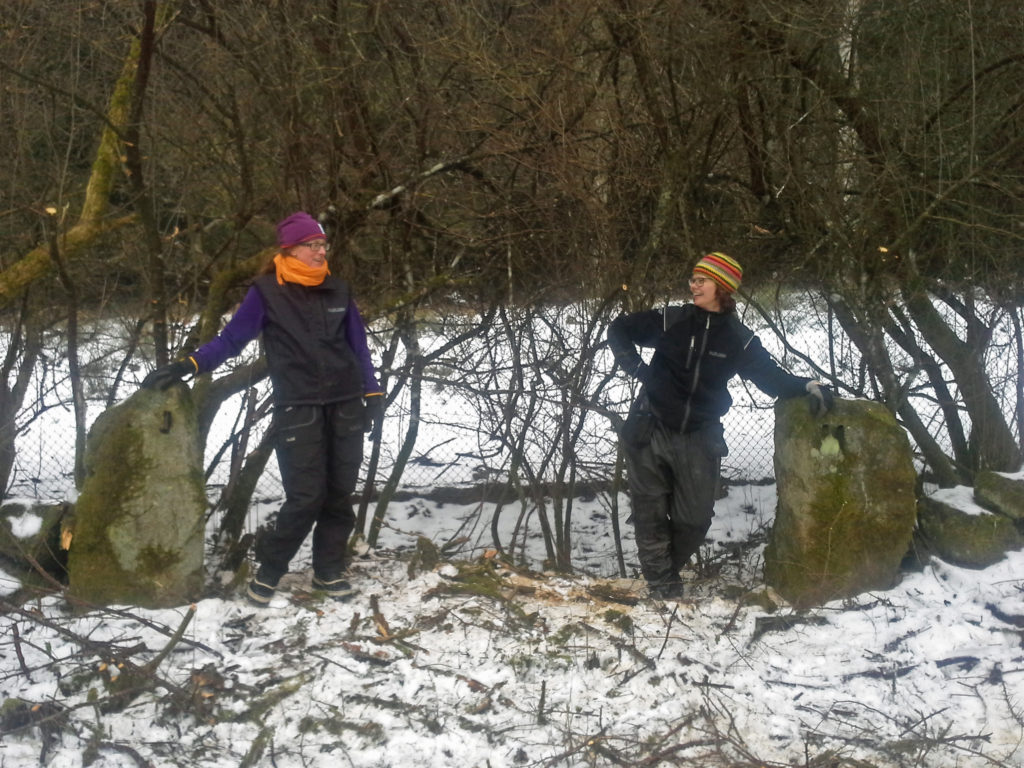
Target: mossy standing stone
<point>139,521</point>
<point>846,504</point>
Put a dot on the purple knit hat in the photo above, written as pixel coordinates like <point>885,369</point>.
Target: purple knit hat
<point>298,228</point>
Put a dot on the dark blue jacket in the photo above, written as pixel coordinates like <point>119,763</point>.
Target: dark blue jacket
<point>696,353</point>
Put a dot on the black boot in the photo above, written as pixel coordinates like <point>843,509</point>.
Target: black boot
<point>333,586</point>
<point>260,589</point>
<point>666,590</point>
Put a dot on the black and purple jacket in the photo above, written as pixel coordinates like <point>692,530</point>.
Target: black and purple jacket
<point>314,338</point>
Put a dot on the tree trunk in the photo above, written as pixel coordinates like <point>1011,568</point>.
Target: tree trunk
<point>402,459</point>
<point>143,196</point>
<point>375,444</point>
<point>74,369</point>
<point>26,342</point>
<point>237,497</point>
<point>1018,339</point>
<point>993,442</point>
<point>869,339</point>
<point>91,221</point>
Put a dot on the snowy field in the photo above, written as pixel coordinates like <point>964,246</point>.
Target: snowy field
<point>471,663</point>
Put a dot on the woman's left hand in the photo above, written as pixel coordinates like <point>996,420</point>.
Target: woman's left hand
<point>373,412</point>
<point>821,398</point>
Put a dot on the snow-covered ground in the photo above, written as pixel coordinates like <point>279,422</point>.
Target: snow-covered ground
<point>474,663</point>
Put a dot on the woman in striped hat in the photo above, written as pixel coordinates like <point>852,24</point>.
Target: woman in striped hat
<point>673,439</point>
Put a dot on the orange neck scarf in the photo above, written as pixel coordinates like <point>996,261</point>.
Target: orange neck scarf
<point>291,270</point>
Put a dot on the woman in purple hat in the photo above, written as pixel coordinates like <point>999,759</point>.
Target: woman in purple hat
<point>325,396</point>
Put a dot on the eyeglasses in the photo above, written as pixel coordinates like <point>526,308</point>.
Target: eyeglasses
<point>698,282</point>
<point>316,245</point>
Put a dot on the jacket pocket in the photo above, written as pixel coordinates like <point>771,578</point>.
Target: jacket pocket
<point>714,440</point>
<point>639,426</point>
<point>638,429</point>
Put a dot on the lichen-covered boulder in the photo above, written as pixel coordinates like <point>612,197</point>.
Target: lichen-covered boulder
<point>954,528</point>
<point>846,504</point>
<point>138,528</point>
<point>1001,493</point>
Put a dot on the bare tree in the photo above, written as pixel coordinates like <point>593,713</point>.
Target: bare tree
<point>522,155</point>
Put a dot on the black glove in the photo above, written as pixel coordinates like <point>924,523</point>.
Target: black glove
<point>820,398</point>
<point>640,372</point>
<point>373,412</point>
<point>162,378</point>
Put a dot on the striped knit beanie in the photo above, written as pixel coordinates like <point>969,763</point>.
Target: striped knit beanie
<point>723,269</point>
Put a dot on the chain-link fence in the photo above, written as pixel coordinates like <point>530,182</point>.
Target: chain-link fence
<point>525,400</point>
<point>509,417</point>
<point>501,402</point>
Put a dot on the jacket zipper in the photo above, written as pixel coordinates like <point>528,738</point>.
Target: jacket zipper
<point>696,370</point>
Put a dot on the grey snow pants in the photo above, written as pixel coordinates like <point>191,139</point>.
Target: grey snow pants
<point>673,481</point>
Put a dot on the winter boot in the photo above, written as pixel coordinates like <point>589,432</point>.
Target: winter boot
<point>261,588</point>
<point>666,590</point>
<point>334,587</point>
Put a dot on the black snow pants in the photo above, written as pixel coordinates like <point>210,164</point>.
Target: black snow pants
<point>673,481</point>
<point>319,451</point>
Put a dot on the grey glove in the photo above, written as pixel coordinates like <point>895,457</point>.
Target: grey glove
<point>820,398</point>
